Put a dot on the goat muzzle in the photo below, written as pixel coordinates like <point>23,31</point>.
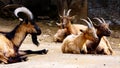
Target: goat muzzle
<point>95,39</point>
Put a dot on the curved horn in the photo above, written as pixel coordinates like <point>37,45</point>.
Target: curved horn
<point>68,12</point>
<point>103,20</point>
<point>24,10</point>
<point>90,21</point>
<point>89,25</point>
<point>98,19</point>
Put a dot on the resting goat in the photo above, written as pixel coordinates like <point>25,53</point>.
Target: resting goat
<point>60,34</point>
<point>11,41</point>
<point>66,23</point>
<point>102,46</point>
<point>74,43</point>
<point>66,27</point>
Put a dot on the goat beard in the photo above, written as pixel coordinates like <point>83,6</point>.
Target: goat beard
<point>34,39</point>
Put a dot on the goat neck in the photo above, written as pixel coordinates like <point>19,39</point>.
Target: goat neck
<point>71,29</point>
<point>17,35</point>
<point>93,45</point>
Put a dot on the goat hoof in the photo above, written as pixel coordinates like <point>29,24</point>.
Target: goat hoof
<point>45,51</point>
<point>24,58</point>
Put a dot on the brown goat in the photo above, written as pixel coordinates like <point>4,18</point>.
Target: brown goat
<point>66,28</point>
<point>75,43</point>
<point>11,41</point>
<point>102,46</point>
<point>66,23</point>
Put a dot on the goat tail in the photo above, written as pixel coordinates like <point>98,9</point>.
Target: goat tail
<point>24,12</point>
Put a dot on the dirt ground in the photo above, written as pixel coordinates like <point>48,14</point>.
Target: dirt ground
<point>55,58</point>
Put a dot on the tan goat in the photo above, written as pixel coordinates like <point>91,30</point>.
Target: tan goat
<point>66,28</point>
<point>75,43</point>
<point>66,23</point>
<point>60,34</point>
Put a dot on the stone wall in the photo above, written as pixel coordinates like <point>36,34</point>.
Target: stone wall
<point>108,9</point>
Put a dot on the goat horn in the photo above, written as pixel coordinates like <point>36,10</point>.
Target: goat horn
<point>89,25</point>
<point>25,11</point>
<point>68,12</point>
<point>103,20</point>
<point>64,12</point>
<point>98,19</point>
<point>90,21</point>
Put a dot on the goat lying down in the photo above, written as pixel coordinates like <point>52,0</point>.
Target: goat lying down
<point>102,31</point>
<point>102,46</point>
<point>66,27</point>
<point>60,34</point>
<point>75,43</point>
<point>10,42</point>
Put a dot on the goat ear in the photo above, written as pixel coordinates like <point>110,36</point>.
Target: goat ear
<point>73,17</point>
<point>59,25</point>
<point>61,16</point>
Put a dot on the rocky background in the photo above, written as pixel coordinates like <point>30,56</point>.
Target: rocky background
<point>108,9</point>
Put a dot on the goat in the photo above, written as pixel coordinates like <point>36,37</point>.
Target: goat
<point>74,43</point>
<point>66,23</point>
<point>66,28</point>
<point>11,41</point>
<point>102,46</point>
<point>60,34</point>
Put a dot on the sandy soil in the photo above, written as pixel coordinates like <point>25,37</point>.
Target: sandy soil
<point>55,58</point>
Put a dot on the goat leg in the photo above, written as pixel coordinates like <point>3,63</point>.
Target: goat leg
<point>26,52</point>
<point>17,59</point>
<point>44,51</point>
<point>3,58</point>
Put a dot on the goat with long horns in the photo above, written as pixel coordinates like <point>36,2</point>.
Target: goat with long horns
<point>11,41</point>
